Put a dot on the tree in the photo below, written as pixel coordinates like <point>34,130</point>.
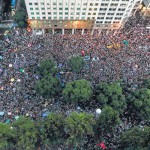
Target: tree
<point>7,137</point>
<point>26,134</point>
<point>136,138</point>
<point>146,83</point>
<point>78,127</point>
<point>110,94</point>
<point>139,102</point>
<point>46,67</point>
<point>77,91</point>
<point>76,63</point>
<point>48,86</point>
<point>52,130</point>
<point>108,119</point>
<point>21,15</point>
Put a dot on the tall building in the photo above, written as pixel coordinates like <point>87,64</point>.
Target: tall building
<point>79,14</point>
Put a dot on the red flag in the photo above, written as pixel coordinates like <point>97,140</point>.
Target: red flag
<point>102,145</point>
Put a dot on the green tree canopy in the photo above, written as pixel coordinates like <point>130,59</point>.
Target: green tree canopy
<point>46,67</point>
<point>78,126</point>
<point>146,83</point>
<point>136,138</point>
<point>26,134</point>
<point>7,137</point>
<point>77,91</point>
<point>111,94</point>
<point>52,130</point>
<point>139,101</point>
<point>21,15</point>
<point>76,63</point>
<point>48,86</point>
<point>108,119</point>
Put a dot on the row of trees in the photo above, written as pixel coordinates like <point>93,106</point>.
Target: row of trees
<point>76,130</point>
<point>135,102</point>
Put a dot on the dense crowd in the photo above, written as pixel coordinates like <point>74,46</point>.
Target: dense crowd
<point>21,52</point>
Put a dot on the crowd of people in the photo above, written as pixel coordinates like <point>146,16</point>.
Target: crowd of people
<point>21,52</point>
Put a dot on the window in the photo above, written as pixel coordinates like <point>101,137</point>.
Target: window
<point>123,5</point>
<point>114,5</point>
<point>36,8</point>
<point>33,17</point>
<point>43,13</point>
<point>38,17</point>
<point>37,13</point>
<point>104,4</point>
<point>96,4</point>
<point>42,3</point>
<point>49,17</point>
<point>95,9</point>
<point>55,13</point>
<point>91,4</point>
<point>72,3</point>
<point>109,18</point>
<point>60,13</point>
<point>32,13</point>
<point>66,13</point>
<point>54,8</point>
<point>60,8</point>
<point>54,3</point>
<point>66,8</point>
<point>48,3</point>
<point>44,18</point>
<point>83,13</point>
<point>78,8</point>
<point>94,13</point>
<point>49,13</point>
<point>35,3</point>
<point>84,4</point>
<point>30,3</point>
<point>119,14</point>
<point>31,8</point>
<point>43,8</point>
<point>77,13</point>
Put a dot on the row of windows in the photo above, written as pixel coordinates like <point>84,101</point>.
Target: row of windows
<point>60,13</point>
<point>108,18</point>
<point>118,14</point>
<point>79,4</point>
<point>31,8</point>
<point>53,8</point>
<point>56,18</point>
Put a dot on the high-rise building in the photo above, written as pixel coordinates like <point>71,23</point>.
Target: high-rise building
<point>79,14</point>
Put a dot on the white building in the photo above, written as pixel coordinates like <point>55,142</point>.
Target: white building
<point>79,14</point>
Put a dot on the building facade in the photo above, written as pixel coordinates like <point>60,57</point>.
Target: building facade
<point>79,14</point>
